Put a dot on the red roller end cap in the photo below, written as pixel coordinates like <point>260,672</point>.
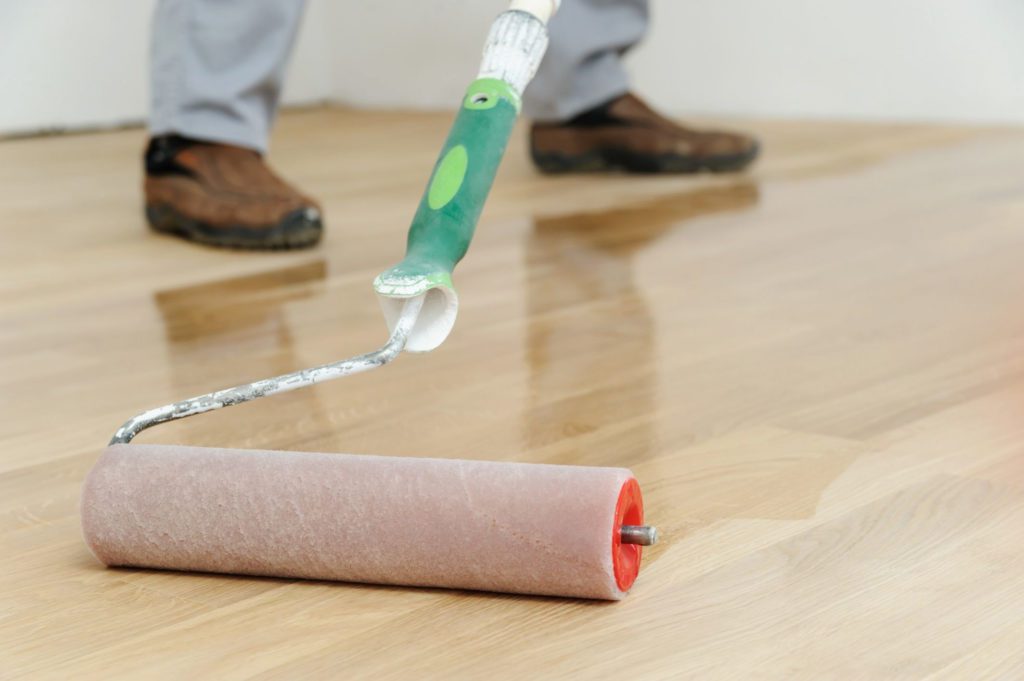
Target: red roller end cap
<point>629,510</point>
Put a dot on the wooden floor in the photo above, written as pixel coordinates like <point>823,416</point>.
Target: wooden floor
<point>816,371</point>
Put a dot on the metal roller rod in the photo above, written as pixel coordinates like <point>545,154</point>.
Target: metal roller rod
<point>644,535</point>
<point>279,384</point>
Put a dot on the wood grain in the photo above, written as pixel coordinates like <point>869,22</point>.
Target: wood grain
<point>814,369</point>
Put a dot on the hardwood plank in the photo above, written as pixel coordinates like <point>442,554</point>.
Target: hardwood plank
<point>814,369</point>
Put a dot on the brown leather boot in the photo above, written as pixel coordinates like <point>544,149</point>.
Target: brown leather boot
<point>223,195</point>
<point>626,134</point>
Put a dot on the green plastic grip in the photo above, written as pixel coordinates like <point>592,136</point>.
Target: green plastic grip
<point>448,212</point>
<point>450,208</point>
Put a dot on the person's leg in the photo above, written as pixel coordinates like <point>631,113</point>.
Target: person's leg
<point>217,70</point>
<point>583,66</point>
<point>585,117</point>
<point>217,67</point>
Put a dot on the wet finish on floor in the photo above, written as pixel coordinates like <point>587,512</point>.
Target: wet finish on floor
<point>814,370</point>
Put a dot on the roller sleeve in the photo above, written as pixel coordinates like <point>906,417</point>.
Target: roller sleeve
<point>493,526</point>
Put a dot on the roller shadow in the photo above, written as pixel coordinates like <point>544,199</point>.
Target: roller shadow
<point>274,582</point>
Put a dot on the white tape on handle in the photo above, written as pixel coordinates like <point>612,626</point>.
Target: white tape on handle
<point>542,9</point>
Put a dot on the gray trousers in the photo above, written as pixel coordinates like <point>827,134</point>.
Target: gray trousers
<point>217,65</point>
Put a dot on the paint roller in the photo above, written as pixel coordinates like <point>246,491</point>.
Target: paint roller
<point>542,529</point>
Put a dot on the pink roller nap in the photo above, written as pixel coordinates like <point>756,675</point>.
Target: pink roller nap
<point>514,527</point>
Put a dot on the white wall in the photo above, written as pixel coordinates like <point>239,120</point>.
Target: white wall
<point>83,63</point>
<point>410,53</point>
<point>953,60</point>
<point>75,63</point>
<point>950,60</point>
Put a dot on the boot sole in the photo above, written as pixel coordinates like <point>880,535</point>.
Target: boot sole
<point>296,230</point>
<point>605,160</point>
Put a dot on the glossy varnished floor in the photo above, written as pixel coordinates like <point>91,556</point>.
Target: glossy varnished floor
<point>816,371</point>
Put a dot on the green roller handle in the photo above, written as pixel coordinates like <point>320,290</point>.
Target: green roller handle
<point>448,212</point>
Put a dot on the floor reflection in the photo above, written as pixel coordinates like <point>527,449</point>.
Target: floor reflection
<point>590,341</point>
<point>207,311</point>
<point>212,327</point>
